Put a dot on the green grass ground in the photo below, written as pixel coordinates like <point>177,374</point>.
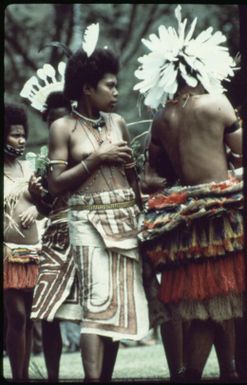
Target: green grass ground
<point>142,362</point>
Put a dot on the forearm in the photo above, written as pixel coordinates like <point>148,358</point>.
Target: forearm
<point>43,209</point>
<point>133,182</point>
<point>70,179</point>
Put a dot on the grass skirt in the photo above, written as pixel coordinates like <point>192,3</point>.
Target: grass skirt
<point>20,267</point>
<point>194,236</point>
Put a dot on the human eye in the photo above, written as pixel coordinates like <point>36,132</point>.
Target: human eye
<point>112,84</point>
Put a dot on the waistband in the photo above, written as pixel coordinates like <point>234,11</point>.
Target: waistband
<point>58,215</point>
<point>107,206</point>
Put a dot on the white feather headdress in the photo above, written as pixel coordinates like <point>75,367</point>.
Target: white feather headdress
<point>198,60</point>
<point>37,88</point>
<point>90,38</point>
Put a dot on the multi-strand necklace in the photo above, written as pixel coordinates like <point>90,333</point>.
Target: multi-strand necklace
<point>94,126</point>
<point>97,124</point>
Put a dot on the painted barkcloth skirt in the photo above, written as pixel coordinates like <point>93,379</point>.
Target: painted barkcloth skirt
<point>103,234</point>
<point>194,236</point>
<point>56,291</point>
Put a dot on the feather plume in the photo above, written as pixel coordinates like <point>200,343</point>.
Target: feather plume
<point>90,38</point>
<point>202,59</point>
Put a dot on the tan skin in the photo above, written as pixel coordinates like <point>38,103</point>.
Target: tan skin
<point>51,335</point>
<point>192,134</point>
<point>72,145</point>
<point>25,212</point>
<point>18,302</point>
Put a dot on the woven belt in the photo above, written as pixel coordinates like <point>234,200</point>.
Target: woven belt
<point>58,215</point>
<point>107,206</point>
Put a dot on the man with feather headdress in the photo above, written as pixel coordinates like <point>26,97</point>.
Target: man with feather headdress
<point>193,233</point>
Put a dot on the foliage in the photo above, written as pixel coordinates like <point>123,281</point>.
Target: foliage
<point>28,27</point>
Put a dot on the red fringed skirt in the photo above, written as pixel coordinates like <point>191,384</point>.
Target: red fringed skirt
<point>20,267</point>
<point>194,236</point>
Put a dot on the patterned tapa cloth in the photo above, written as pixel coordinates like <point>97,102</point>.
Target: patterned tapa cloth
<point>56,291</point>
<point>104,240</point>
<point>20,267</point>
<point>194,236</point>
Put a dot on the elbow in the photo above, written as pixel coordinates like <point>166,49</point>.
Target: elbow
<point>54,188</point>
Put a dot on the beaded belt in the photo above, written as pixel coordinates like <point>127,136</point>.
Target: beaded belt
<point>107,206</point>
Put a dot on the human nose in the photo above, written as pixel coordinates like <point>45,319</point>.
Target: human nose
<point>115,91</point>
<point>22,140</point>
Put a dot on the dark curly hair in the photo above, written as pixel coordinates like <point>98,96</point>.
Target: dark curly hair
<point>55,99</point>
<point>14,114</point>
<point>82,70</point>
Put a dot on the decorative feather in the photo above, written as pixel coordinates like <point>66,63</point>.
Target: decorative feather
<point>57,44</point>
<point>37,88</point>
<point>90,38</point>
<point>206,61</point>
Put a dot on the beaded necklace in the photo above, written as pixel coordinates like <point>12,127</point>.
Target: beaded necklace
<point>98,135</point>
<point>95,123</point>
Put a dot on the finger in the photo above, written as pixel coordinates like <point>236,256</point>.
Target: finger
<point>122,143</point>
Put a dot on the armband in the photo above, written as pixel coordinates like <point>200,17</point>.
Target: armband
<point>85,167</point>
<point>52,163</point>
<point>234,127</point>
<point>235,155</point>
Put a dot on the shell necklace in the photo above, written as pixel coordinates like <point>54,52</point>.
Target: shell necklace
<point>97,124</point>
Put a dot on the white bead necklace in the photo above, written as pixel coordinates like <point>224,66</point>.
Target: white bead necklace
<point>96,123</point>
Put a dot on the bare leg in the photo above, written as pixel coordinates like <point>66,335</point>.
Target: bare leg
<point>109,359</point>
<point>172,337</point>
<point>241,347</point>
<point>28,332</point>
<point>18,339</point>
<point>201,338</point>
<point>225,349</point>
<point>52,346</point>
<point>185,326</point>
<point>92,350</point>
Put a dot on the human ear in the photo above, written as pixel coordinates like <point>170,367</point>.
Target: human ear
<point>87,89</point>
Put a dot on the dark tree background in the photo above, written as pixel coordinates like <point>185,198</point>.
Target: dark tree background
<point>28,27</point>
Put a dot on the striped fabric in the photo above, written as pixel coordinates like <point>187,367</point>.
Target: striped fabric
<point>110,276</point>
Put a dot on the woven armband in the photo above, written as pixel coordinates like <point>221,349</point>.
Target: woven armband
<point>234,127</point>
<point>55,162</point>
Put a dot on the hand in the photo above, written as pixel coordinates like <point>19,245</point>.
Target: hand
<point>28,217</point>
<point>35,187</point>
<point>115,152</point>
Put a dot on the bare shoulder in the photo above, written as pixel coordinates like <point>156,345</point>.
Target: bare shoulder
<point>217,105</point>
<point>62,127</point>
<point>117,118</point>
<point>160,120</point>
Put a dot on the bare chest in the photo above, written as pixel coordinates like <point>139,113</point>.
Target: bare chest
<point>85,139</point>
